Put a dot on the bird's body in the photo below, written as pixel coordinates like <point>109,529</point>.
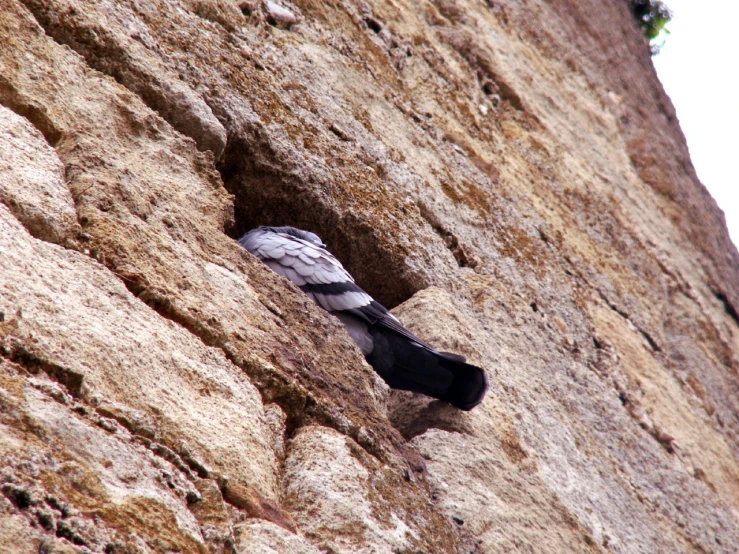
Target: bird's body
<point>402,359</point>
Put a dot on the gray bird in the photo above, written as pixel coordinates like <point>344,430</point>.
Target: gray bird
<point>402,359</point>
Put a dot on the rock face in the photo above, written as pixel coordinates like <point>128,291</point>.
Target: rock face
<point>509,177</point>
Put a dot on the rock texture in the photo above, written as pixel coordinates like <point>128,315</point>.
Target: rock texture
<point>509,177</point>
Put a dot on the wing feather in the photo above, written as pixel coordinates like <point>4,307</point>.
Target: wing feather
<point>342,302</point>
<point>274,251</point>
<point>377,314</point>
<point>326,301</point>
<point>305,258</point>
<point>292,247</point>
<point>311,252</point>
<point>287,259</point>
<point>305,270</point>
<point>294,276</point>
<point>300,261</point>
<point>324,279</point>
<point>278,268</point>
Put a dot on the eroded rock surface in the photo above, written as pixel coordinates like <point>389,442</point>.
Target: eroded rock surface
<point>508,176</point>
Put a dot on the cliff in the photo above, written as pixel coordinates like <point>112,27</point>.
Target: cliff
<point>508,176</point>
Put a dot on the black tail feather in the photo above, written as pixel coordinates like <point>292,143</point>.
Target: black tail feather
<point>469,386</point>
<point>406,365</point>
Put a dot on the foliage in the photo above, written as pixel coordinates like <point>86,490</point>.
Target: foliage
<point>652,16</point>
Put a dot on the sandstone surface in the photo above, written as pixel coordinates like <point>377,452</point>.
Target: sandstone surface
<point>509,177</point>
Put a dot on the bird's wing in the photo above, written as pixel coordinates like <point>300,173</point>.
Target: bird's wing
<point>375,313</point>
<point>312,268</point>
<point>324,279</point>
<point>401,358</point>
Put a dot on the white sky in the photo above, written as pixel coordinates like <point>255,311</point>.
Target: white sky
<point>699,68</point>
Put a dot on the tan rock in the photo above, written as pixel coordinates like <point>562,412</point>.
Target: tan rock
<point>68,482</point>
<point>335,493</point>
<point>32,184</point>
<point>84,329</point>
<point>263,537</point>
<point>509,175</point>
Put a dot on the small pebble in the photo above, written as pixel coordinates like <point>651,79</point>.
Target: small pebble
<point>279,15</point>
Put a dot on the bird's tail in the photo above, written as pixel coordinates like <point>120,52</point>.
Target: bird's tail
<point>409,366</point>
<point>469,385</point>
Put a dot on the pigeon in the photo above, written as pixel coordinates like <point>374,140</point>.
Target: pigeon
<point>402,359</point>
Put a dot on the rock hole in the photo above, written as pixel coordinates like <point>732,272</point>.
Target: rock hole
<point>65,531</point>
<point>339,132</point>
<point>46,520</point>
<point>35,114</point>
<point>247,7</point>
<point>65,376</point>
<point>489,88</point>
<point>728,306</point>
<point>450,239</point>
<point>57,505</point>
<point>20,497</point>
<point>373,24</point>
<point>623,398</point>
<point>271,190</point>
<point>652,343</point>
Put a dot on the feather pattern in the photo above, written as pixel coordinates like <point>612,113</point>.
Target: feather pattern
<point>401,358</point>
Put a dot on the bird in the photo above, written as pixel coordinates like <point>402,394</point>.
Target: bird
<point>401,358</point>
